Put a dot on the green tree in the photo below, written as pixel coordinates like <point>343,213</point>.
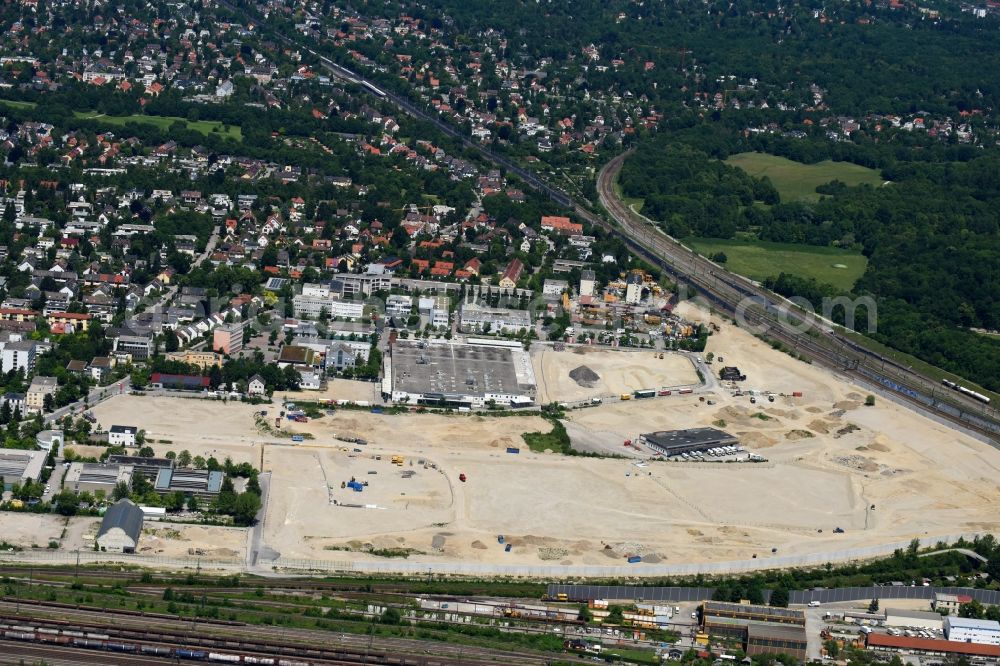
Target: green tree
<point>184,458</point>
<point>67,503</point>
<point>779,597</point>
<point>973,610</point>
<point>873,606</point>
<point>121,491</point>
<point>246,507</point>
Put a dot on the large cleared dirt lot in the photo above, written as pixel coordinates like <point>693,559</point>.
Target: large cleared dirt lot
<point>829,459</point>
<point>614,372</point>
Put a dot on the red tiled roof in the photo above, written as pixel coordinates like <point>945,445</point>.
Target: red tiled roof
<point>932,645</point>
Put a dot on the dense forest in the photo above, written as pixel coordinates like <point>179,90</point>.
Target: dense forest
<point>895,55</point>
<point>932,237</point>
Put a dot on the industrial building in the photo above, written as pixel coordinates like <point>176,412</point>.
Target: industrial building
<point>120,528</point>
<point>762,629</point>
<point>459,375</point>
<point>477,319</point>
<point>93,477</point>
<point>676,442</point>
<point>148,468</point>
<point>197,482</point>
<point>931,647</point>
<point>895,617</point>
<point>19,466</point>
<point>969,630</point>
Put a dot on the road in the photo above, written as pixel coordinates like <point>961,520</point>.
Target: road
<point>95,396</point>
<point>166,296</point>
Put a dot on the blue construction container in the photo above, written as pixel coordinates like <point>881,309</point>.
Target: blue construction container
<point>507,548</point>
<point>632,559</point>
<point>499,538</point>
<point>513,449</point>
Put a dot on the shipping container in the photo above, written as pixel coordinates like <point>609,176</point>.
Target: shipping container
<point>513,449</point>
<point>645,393</point>
<point>632,559</point>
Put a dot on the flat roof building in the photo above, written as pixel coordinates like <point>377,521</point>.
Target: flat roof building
<point>897,617</point>
<point>444,373</point>
<point>478,319</point>
<point>19,466</point>
<point>91,477</point>
<point>198,482</point>
<point>676,442</point>
<point>969,630</point>
<point>147,468</point>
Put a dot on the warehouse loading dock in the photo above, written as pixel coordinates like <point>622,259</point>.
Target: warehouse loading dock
<point>676,442</point>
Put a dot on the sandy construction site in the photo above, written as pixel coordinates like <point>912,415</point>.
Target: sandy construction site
<point>829,459</point>
<point>584,372</point>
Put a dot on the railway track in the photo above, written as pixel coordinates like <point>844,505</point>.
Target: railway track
<point>728,292</point>
<point>317,646</point>
<point>17,653</point>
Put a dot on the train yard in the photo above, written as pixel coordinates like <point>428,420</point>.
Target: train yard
<point>285,623</point>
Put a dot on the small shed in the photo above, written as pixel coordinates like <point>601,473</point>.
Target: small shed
<point>120,529</point>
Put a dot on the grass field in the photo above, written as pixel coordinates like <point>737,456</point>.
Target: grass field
<point>758,260</point>
<point>164,122</point>
<point>634,202</point>
<point>14,104</point>
<point>797,181</point>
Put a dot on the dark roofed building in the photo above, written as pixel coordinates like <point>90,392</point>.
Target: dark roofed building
<point>147,468</point>
<point>766,638</point>
<point>198,482</point>
<point>178,382</point>
<point>120,529</point>
<point>677,442</point>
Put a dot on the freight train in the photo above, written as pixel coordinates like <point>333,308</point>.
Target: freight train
<point>96,641</point>
<point>966,391</point>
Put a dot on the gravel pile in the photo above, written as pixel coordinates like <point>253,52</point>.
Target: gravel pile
<point>584,376</point>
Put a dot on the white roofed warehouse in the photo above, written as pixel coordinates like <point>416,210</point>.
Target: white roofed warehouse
<point>459,375</point>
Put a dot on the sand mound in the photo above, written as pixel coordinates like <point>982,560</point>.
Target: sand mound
<point>584,376</point>
<point>798,434</point>
<point>846,405</point>
<point>756,440</point>
<point>819,426</point>
<point>478,545</point>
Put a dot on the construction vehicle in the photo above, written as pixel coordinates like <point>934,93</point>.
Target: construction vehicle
<point>626,396</point>
<point>461,477</point>
<point>397,460</point>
